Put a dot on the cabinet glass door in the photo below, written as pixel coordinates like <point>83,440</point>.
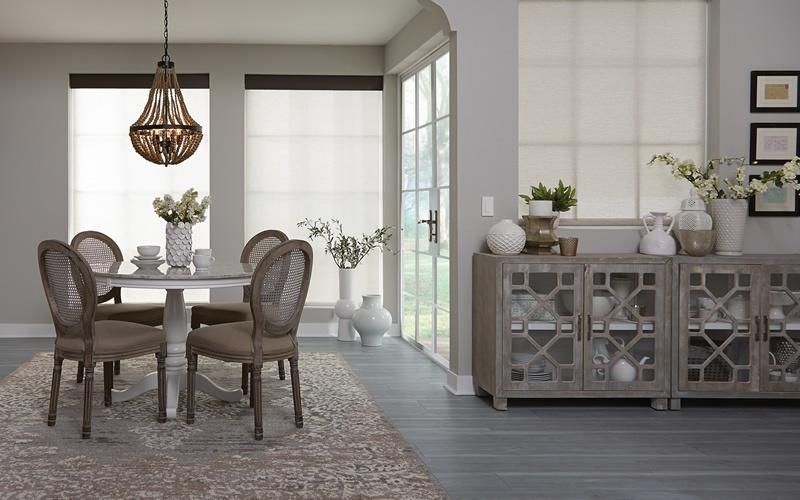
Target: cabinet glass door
<point>719,326</point>
<point>624,346</point>
<point>541,320</point>
<point>780,352</point>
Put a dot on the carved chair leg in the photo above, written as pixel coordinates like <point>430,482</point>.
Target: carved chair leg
<point>161,375</point>
<point>281,370</point>
<point>190,376</point>
<point>245,377</point>
<point>108,381</point>
<point>252,391</point>
<point>88,388</point>
<point>117,367</point>
<point>298,404</point>
<point>54,387</point>
<point>79,376</point>
<point>255,389</point>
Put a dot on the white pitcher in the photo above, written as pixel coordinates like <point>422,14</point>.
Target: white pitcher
<point>658,240</point>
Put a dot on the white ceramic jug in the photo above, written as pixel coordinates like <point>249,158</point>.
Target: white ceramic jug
<point>657,241</point>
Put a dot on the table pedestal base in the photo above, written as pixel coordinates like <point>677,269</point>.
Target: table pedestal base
<point>175,328</point>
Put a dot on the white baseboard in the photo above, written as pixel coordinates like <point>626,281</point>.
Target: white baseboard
<point>460,385</point>
<point>27,330</point>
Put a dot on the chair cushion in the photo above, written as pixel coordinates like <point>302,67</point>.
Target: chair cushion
<point>234,340</point>
<point>144,314</point>
<point>215,314</point>
<point>117,339</point>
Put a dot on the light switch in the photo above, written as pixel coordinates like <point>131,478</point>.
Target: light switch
<point>487,206</point>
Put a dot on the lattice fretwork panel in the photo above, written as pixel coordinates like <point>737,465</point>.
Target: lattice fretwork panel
<point>783,358</point>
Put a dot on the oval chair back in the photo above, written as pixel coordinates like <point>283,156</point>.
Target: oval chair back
<point>257,248</point>
<point>99,250</point>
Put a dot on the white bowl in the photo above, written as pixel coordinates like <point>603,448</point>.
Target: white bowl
<point>148,250</point>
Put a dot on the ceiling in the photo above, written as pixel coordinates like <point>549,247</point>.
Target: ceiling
<point>315,22</point>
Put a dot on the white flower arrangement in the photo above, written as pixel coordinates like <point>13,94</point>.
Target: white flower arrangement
<point>707,181</point>
<point>186,210</point>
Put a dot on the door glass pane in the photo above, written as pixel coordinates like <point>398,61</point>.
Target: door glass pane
<point>425,171</point>
<point>784,329</point>
<point>443,85</point>
<point>425,330</point>
<point>424,79</point>
<point>443,282</point>
<point>409,160</point>
<point>410,226</point>
<point>409,315</point>
<point>423,212</point>
<point>444,222</point>
<point>409,104</point>
<point>410,272</point>
<point>443,332</point>
<point>443,151</point>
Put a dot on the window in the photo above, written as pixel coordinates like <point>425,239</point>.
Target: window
<point>315,153</point>
<point>111,187</point>
<point>603,85</point>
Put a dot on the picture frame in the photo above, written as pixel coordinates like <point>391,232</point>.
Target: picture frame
<point>774,92</point>
<point>776,202</point>
<point>773,143</point>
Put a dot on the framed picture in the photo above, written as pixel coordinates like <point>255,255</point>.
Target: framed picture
<point>776,202</point>
<point>774,91</point>
<point>773,143</point>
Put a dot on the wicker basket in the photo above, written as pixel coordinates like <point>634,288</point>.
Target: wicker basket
<point>716,371</point>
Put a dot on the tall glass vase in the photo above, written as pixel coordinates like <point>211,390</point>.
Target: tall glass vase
<point>179,244</point>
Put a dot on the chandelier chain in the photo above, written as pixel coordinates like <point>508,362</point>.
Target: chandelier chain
<point>166,57</point>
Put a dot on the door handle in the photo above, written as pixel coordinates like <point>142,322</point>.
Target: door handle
<point>589,327</point>
<point>766,328</point>
<point>580,326</point>
<point>433,225</point>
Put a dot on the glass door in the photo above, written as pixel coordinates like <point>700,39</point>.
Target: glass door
<point>425,205</point>
<point>780,355</point>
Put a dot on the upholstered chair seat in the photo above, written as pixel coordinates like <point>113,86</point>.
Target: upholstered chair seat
<point>215,314</point>
<point>144,314</point>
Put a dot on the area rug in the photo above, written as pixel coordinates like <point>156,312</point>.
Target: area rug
<point>347,448</point>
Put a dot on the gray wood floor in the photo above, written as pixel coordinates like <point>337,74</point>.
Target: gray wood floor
<point>564,449</point>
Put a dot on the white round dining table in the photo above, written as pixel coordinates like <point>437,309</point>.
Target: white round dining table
<point>174,280</point>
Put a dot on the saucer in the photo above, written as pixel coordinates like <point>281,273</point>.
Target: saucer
<point>142,257</point>
<point>148,263</point>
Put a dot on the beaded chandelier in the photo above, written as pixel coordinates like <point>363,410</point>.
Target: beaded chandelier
<point>165,133</point>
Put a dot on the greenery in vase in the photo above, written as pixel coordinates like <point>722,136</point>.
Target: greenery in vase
<point>563,196</point>
<point>347,251</point>
<point>710,185</point>
<point>186,210</point>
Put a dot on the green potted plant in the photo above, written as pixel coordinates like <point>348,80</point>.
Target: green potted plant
<point>548,202</point>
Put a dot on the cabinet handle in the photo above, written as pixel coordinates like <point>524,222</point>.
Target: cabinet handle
<point>589,327</point>
<point>758,328</point>
<point>766,328</point>
<point>580,326</point>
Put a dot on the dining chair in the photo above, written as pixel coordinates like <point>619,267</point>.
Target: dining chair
<point>215,314</point>
<point>101,250</point>
<point>71,292</point>
<point>279,289</point>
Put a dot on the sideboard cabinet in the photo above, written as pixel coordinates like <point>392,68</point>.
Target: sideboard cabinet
<point>586,326</point>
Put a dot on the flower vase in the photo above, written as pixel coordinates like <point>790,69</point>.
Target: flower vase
<point>371,321</point>
<point>506,238</point>
<point>179,244</point>
<point>730,217</point>
<point>345,306</point>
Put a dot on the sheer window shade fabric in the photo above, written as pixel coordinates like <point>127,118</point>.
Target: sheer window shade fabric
<point>603,85</point>
<point>311,154</point>
<point>112,188</point>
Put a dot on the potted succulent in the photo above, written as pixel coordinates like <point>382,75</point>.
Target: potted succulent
<point>548,202</point>
<point>347,252</point>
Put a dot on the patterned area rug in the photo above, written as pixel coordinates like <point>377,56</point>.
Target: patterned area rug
<point>347,449</point>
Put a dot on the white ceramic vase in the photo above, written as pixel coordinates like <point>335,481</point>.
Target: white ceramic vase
<point>372,320</point>
<point>179,244</point>
<point>345,306</point>
<point>730,218</point>
<point>506,238</point>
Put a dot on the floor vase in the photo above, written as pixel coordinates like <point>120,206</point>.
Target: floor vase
<point>730,218</point>
<point>345,306</point>
<point>179,244</point>
<point>372,320</point>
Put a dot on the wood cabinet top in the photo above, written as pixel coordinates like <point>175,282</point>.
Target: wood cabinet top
<point>632,258</point>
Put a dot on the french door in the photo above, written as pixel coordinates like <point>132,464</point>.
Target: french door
<point>425,205</point>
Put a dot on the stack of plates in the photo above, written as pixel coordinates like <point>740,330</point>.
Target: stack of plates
<point>147,262</point>
<point>535,374</point>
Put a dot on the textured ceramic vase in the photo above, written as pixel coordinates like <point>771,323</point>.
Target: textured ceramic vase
<point>345,306</point>
<point>179,244</point>
<point>506,238</point>
<point>730,218</point>
<point>371,321</point>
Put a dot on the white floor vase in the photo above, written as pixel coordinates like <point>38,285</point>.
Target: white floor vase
<point>730,219</point>
<point>345,306</point>
<point>371,321</point>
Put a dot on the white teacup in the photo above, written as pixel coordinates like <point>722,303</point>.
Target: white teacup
<point>202,261</point>
<point>202,251</point>
<point>148,250</point>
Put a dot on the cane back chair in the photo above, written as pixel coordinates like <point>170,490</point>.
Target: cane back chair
<point>100,250</point>
<point>279,289</point>
<point>71,292</point>
<point>215,314</point>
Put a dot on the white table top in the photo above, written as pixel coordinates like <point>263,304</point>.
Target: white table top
<point>125,274</point>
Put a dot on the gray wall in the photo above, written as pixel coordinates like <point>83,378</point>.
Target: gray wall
<point>33,140</point>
